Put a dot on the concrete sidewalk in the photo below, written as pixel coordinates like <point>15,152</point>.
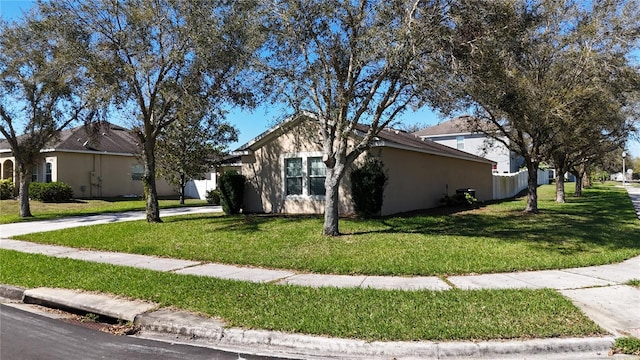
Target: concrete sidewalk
<point>598,290</point>
<point>634,194</point>
<point>565,279</point>
<point>28,227</point>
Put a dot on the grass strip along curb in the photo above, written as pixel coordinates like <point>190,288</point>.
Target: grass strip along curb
<point>347,313</point>
<point>599,228</point>
<point>626,345</point>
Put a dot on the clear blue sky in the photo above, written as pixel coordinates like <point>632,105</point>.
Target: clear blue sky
<point>251,124</point>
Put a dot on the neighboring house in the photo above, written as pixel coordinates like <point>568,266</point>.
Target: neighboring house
<point>285,172</point>
<point>454,133</point>
<point>619,176</point>
<point>102,162</point>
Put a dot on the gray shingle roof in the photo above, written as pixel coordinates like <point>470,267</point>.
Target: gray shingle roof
<point>415,143</point>
<point>103,137</point>
<point>457,125</point>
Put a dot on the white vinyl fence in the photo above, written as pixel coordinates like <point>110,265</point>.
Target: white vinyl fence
<point>197,189</point>
<point>508,185</point>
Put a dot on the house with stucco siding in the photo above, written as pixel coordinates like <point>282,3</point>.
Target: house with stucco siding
<point>455,133</point>
<point>99,160</point>
<point>285,173</point>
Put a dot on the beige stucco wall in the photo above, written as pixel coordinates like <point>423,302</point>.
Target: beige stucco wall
<point>418,181</point>
<point>99,175</point>
<point>102,175</point>
<point>264,171</point>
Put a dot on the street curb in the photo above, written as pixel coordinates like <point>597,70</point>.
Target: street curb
<point>12,292</point>
<point>214,332</point>
<point>99,304</point>
<point>194,327</point>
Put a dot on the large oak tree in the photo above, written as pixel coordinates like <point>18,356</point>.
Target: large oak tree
<point>42,88</point>
<point>349,63</point>
<point>149,57</point>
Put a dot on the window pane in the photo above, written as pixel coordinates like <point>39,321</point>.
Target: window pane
<point>137,172</point>
<point>294,167</point>
<point>294,186</point>
<point>316,186</point>
<point>317,167</point>
<point>48,172</point>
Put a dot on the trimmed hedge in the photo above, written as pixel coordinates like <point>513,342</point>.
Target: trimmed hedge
<point>231,192</point>
<point>6,189</point>
<point>367,187</point>
<point>50,192</point>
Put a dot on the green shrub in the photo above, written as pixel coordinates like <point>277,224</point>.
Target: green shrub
<point>35,190</point>
<point>6,189</point>
<point>231,192</point>
<point>213,197</point>
<point>459,199</point>
<point>50,192</point>
<point>367,187</point>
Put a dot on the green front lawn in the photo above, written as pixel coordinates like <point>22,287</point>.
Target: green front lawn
<point>9,209</point>
<point>599,228</point>
<point>348,313</point>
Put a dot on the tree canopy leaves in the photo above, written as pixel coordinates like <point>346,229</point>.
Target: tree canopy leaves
<point>42,90</point>
<point>349,63</point>
<point>543,77</point>
<point>150,57</point>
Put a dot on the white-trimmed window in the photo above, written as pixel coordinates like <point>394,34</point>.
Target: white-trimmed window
<point>293,174</point>
<point>48,172</point>
<point>460,142</point>
<point>34,174</point>
<point>304,174</point>
<point>317,173</point>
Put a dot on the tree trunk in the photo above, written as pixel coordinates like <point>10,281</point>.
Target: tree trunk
<point>331,206</point>
<point>150,190</point>
<point>23,192</point>
<point>532,187</point>
<point>182,186</point>
<point>579,178</point>
<point>560,196</point>
<point>586,179</point>
<point>560,161</point>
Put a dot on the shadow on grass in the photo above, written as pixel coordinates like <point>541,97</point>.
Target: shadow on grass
<point>244,224</point>
<point>601,217</point>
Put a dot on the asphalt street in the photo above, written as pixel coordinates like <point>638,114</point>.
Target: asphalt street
<point>28,336</point>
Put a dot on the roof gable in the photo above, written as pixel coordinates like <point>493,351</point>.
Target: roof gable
<point>273,132</point>
<point>386,138</point>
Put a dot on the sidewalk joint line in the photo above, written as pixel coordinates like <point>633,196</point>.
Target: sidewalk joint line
<point>188,266</point>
